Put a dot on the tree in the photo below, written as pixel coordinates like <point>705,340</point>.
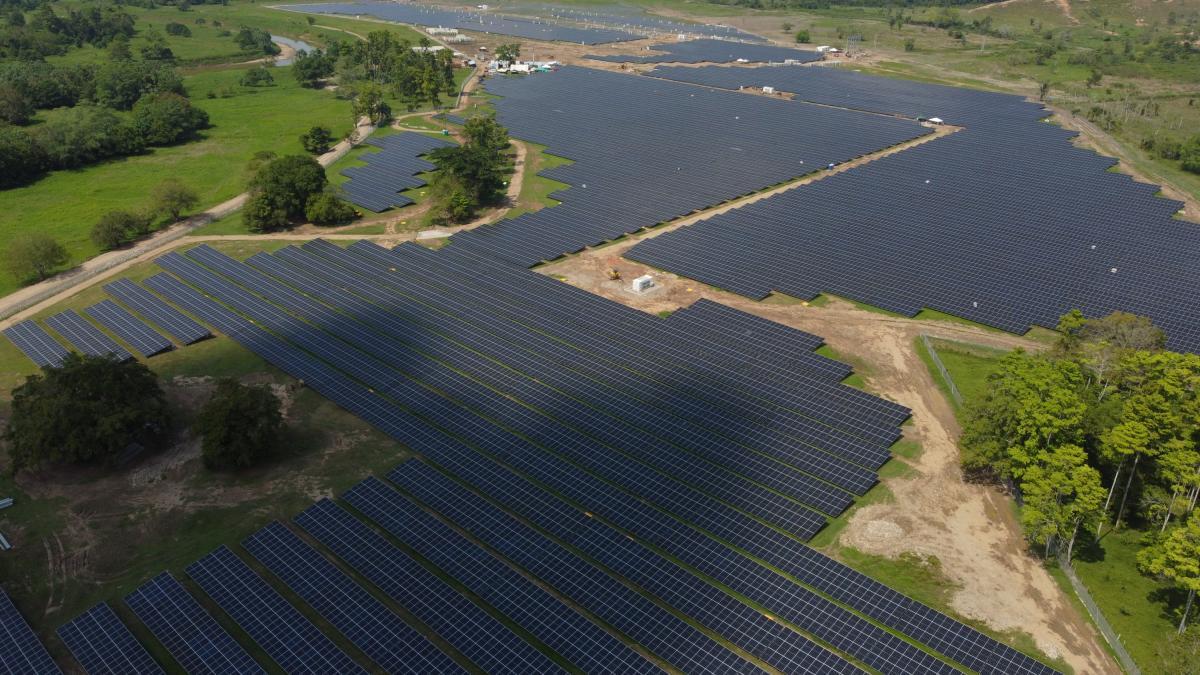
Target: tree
<point>327,209</point>
<point>120,84</point>
<point>910,45</point>
<point>310,68</point>
<point>1094,77</point>
<point>257,77</point>
<point>163,118</point>
<point>118,49</point>
<point>21,159</point>
<point>1043,90</point>
<point>1061,493</point>
<point>1176,558</point>
<point>34,256</point>
<point>114,229</point>
<point>317,140</point>
<point>85,134</point>
<point>88,410</point>
<point>1181,653</point>
<point>1032,405</point>
<point>280,191</point>
<point>178,29</point>
<point>172,198</point>
<point>508,52</point>
<point>156,48</point>
<point>1189,154</point>
<point>256,40</point>
<point>472,174</point>
<point>15,107</point>
<point>802,36</point>
<point>239,425</point>
<point>370,102</point>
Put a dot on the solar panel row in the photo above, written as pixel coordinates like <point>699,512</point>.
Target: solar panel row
<point>21,651</point>
<point>374,628</point>
<point>426,15</point>
<point>604,483</point>
<point>377,185</point>
<point>36,343</point>
<point>153,309</point>
<point>633,169</point>
<point>713,51</point>
<point>289,638</point>
<point>141,337</point>
<point>1006,222</point>
<point>193,637</point>
<point>637,21</point>
<point>85,337</point>
<point>104,646</point>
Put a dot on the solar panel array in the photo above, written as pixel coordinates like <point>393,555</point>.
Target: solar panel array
<point>129,328</point>
<point>644,460</point>
<point>104,646</point>
<point>498,24</point>
<point>634,169</point>
<point>85,337</point>
<point>153,309</point>
<point>1005,223</point>
<point>635,20</point>
<point>194,639</point>
<point>36,343</point>
<point>377,185</point>
<point>21,653</point>
<point>713,51</point>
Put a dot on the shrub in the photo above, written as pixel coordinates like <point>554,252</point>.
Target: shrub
<point>257,77</point>
<point>326,209</point>
<point>1189,154</point>
<point>21,159</point>
<point>317,141</point>
<point>803,36</point>
<point>166,118</point>
<point>179,30</point>
<point>910,45</point>
<point>33,256</point>
<point>114,229</point>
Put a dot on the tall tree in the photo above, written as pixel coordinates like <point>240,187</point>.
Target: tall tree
<point>1176,557</point>
<point>1061,493</point>
<point>172,198</point>
<point>239,425</point>
<point>34,256</point>
<point>89,409</point>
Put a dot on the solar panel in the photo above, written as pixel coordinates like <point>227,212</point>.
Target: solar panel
<point>283,633</point>
<point>483,368</point>
<point>428,15</point>
<point>23,652</point>
<point>193,637</point>
<point>141,337</point>
<point>36,343</point>
<point>1005,222</point>
<point>713,51</point>
<point>372,627</point>
<point>562,628</point>
<point>85,337</point>
<point>102,644</point>
<point>377,185</point>
<point>155,310</point>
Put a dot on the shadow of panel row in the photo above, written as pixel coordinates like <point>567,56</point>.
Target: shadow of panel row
<point>714,51</point>
<point>1004,222</point>
<point>533,490</point>
<point>632,169</point>
<point>393,169</point>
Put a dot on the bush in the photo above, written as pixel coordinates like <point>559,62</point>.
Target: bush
<point>172,198</point>
<point>317,141</point>
<point>15,107</point>
<point>33,256</point>
<point>114,229</point>
<point>256,40</point>
<point>326,209</point>
<point>179,30</point>
<point>239,425</point>
<point>21,159</point>
<point>88,410</point>
<point>1189,154</point>
<point>85,134</point>
<point>910,45</point>
<point>165,118</point>
<point>803,36</point>
<point>257,77</point>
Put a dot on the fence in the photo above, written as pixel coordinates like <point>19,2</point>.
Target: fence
<point>933,356</point>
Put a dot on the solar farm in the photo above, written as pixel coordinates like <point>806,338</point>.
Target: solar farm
<point>575,480</point>
<point>560,433</point>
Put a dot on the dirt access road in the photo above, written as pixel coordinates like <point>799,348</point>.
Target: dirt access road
<point>970,529</point>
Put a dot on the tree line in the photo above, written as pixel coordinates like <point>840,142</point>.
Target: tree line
<point>1099,432</point>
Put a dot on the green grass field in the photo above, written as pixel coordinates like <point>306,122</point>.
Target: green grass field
<point>968,364</point>
<point>65,204</point>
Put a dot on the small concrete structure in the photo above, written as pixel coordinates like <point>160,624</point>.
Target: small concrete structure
<point>642,284</point>
<point>768,90</point>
